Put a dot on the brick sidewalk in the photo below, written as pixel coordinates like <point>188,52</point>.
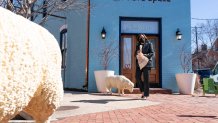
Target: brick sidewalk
<point>173,109</point>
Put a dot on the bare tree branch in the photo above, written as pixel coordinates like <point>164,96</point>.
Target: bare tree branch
<point>30,9</point>
<point>207,35</point>
<point>107,53</point>
<point>185,59</point>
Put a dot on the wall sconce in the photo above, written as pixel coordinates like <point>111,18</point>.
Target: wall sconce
<point>103,33</point>
<point>178,34</point>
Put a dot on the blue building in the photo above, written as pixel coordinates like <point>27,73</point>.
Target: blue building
<point>79,36</point>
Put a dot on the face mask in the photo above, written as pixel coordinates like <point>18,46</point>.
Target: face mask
<point>142,40</point>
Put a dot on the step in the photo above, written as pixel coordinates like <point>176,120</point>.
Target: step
<point>22,121</point>
<point>152,91</point>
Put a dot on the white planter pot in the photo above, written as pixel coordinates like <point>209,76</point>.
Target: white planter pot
<point>186,82</point>
<point>100,79</point>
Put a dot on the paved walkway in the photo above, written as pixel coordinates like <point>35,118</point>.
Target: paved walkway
<point>77,103</point>
<point>159,108</point>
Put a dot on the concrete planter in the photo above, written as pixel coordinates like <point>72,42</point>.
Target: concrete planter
<point>186,82</point>
<point>100,76</point>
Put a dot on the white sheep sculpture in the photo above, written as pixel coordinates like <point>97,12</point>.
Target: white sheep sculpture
<point>30,69</point>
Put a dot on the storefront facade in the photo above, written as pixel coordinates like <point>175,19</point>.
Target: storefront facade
<point>123,20</point>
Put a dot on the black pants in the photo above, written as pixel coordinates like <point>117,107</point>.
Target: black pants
<point>143,85</point>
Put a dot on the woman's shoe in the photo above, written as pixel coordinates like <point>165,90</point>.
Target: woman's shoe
<point>143,97</point>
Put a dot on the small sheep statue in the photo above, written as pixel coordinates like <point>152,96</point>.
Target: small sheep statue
<point>120,82</point>
<point>30,69</point>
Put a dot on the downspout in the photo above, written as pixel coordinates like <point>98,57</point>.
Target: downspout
<point>87,48</point>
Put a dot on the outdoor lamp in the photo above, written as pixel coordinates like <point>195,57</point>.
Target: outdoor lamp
<point>103,33</point>
<point>178,34</point>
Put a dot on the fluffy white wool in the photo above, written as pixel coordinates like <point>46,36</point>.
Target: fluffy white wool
<point>30,69</point>
<point>120,82</point>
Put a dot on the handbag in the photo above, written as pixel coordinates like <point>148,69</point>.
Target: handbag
<point>142,60</point>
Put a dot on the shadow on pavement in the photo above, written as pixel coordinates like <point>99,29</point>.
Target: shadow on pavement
<point>208,96</point>
<point>107,94</point>
<point>103,101</point>
<point>200,116</point>
<point>63,108</point>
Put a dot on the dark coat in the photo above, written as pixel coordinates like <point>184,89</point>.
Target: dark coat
<point>147,50</point>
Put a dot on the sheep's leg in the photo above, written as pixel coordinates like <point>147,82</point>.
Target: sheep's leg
<point>109,91</point>
<point>122,91</point>
<point>39,109</point>
<point>46,100</point>
<point>119,91</point>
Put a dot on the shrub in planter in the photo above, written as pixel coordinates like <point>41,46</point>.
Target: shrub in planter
<point>186,80</point>
<point>105,55</point>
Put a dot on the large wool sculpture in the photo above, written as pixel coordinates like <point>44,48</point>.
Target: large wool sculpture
<point>30,69</point>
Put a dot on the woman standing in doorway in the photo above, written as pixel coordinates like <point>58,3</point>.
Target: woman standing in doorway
<point>148,51</point>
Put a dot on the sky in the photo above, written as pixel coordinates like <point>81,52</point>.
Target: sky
<point>203,9</point>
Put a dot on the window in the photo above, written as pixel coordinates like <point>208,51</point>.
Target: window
<point>150,27</point>
<point>63,46</point>
<point>127,53</point>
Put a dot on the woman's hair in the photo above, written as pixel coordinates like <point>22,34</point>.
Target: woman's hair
<point>142,36</point>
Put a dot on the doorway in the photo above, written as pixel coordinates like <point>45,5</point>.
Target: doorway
<point>128,59</point>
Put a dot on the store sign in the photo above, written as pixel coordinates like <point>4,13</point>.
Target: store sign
<point>153,1</point>
<point>150,27</point>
